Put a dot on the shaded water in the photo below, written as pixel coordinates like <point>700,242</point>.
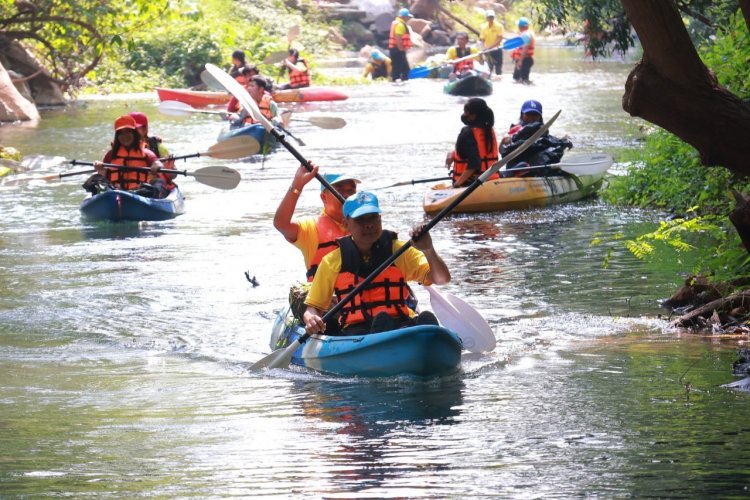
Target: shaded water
<point>124,347</point>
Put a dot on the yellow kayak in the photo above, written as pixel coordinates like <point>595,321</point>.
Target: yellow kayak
<point>582,177</point>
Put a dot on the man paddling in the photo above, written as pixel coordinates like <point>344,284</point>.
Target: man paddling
<point>314,236</point>
<point>384,304</point>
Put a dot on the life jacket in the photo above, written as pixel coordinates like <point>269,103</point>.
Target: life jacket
<point>128,180</point>
<point>405,38</point>
<point>463,65</point>
<point>488,157</point>
<point>516,54</point>
<point>265,109</point>
<point>299,78</point>
<point>328,232</point>
<point>388,292</point>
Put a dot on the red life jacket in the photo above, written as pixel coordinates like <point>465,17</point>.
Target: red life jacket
<point>388,292</point>
<point>299,78</point>
<point>516,54</point>
<point>488,157</point>
<point>128,180</point>
<point>405,38</point>
<point>328,232</point>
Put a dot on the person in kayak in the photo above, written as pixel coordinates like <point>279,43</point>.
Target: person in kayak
<point>378,66</point>
<point>127,150</point>
<point>384,305</point>
<point>164,182</point>
<point>238,61</point>
<point>548,149</point>
<point>476,147</point>
<point>314,236</point>
<point>459,51</point>
<point>299,71</point>
<point>257,87</point>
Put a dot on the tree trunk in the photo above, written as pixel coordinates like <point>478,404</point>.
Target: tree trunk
<point>45,91</point>
<point>672,88</point>
<point>13,106</point>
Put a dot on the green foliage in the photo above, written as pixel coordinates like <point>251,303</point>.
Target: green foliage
<point>729,56</point>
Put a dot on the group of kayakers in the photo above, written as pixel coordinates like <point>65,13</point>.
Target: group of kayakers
<point>491,36</point>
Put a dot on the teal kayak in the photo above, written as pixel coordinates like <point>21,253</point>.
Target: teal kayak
<point>470,85</point>
<point>423,351</point>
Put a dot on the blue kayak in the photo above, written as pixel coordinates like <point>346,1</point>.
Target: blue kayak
<point>256,131</point>
<point>117,205</point>
<point>425,351</point>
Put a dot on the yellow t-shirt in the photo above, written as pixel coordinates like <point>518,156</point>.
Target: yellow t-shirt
<point>307,237</point>
<point>491,35</point>
<point>413,264</point>
<point>452,53</point>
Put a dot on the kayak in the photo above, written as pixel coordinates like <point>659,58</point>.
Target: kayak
<point>470,85</point>
<point>424,351</point>
<point>256,131</point>
<point>116,205</point>
<point>204,98</point>
<point>513,193</point>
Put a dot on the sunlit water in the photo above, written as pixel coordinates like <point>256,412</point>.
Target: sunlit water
<point>125,348</point>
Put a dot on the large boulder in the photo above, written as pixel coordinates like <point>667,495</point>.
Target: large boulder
<point>14,106</point>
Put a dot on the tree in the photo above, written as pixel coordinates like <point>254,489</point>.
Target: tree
<point>670,86</point>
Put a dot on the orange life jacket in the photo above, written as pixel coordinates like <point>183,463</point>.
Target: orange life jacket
<point>405,38</point>
<point>299,78</point>
<point>388,291</point>
<point>463,65</point>
<point>265,109</point>
<point>488,157</point>
<point>128,180</point>
<point>328,232</point>
<point>516,54</point>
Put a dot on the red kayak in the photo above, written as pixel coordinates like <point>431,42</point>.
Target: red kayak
<point>204,98</point>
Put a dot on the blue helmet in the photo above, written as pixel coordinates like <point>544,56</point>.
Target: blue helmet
<point>523,22</point>
<point>377,55</point>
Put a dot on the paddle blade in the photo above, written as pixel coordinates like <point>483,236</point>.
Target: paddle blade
<point>469,325</point>
<point>419,72</point>
<point>175,108</point>
<point>218,177</point>
<point>210,81</point>
<point>327,122</point>
<point>275,57</point>
<point>237,147</point>
<point>586,164</point>
<point>279,358</point>
<point>512,43</point>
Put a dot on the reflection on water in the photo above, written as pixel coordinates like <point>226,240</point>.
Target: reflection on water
<point>124,347</point>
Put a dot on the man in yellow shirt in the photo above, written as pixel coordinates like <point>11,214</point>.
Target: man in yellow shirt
<point>383,305</point>
<point>491,34</point>
<point>378,66</point>
<point>460,51</point>
<point>314,236</point>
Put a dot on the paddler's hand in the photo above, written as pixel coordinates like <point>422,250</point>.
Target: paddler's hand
<point>99,167</point>
<point>302,176</point>
<point>313,322</point>
<point>422,242</point>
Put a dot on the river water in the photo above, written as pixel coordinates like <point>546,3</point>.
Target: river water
<point>124,348</point>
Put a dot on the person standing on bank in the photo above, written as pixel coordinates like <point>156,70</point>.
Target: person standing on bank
<point>523,56</point>
<point>476,146</point>
<point>398,43</point>
<point>491,34</point>
<point>383,305</point>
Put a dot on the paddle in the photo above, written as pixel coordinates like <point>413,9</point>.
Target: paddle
<point>177,108</point>
<point>230,149</point>
<point>210,81</point>
<point>218,177</point>
<point>281,357</point>
<point>275,57</point>
<point>286,131</point>
<point>249,104</point>
<point>327,122</point>
<point>457,315</point>
<point>581,164</point>
<point>424,71</point>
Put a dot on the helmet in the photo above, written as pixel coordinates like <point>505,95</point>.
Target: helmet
<point>125,121</point>
<point>377,55</point>
<point>523,22</point>
<point>489,13</point>
<point>404,13</point>
<point>141,120</point>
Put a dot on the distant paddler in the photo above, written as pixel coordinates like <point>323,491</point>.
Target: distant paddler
<point>378,65</point>
<point>299,71</point>
<point>258,88</point>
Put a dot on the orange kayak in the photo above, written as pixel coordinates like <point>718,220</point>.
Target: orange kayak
<point>204,98</point>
